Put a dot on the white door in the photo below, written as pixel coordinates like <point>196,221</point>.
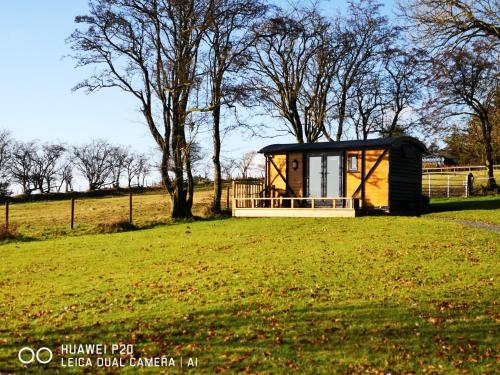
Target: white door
<point>315,176</point>
<point>332,176</point>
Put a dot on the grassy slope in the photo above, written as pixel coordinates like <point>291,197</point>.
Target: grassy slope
<point>482,209</point>
<point>266,295</point>
<point>49,219</point>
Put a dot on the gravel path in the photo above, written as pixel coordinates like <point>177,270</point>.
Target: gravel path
<point>477,224</point>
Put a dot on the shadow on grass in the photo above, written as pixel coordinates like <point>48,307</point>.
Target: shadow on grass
<point>259,338</point>
<point>466,204</point>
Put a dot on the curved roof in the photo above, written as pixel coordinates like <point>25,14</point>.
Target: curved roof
<point>327,146</point>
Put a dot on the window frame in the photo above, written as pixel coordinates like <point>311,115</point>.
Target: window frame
<point>349,162</point>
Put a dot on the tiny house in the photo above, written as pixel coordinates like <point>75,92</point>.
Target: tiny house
<point>344,178</point>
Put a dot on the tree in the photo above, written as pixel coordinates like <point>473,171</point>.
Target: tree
<point>119,155</point>
<point>446,24</point>
<point>465,85</point>
<point>367,104</point>
<point>132,167</point>
<point>245,162</point>
<point>366,36</point>
<point>228,166</point>
<point>149,49</point>
<point>228,39</point>
<point>403,85</point>
<point>66,176</point>
<point>22,166</point>
<point>5,156</point>
<point>143,169</point>
<point>94,160</point>
<point>45,165</point>
<point>295,58</point>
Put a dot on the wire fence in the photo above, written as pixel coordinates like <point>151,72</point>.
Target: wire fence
<point>49,218</point>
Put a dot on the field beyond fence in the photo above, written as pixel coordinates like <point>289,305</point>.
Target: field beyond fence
<point>48,219</point>
<point>452,181</point>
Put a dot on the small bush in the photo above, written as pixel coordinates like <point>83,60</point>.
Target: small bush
<point>8,233</point>
<point>115,227</point>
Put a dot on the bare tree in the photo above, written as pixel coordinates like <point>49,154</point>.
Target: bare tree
<point>131,165</point>
<point>403,87</point>
<point>45,165</point>
<point>366,36</point>
<point>5,156</point>
<point>143,169</point>
<point>453,23</point>
<point>119,155</point>
<point>228,39</point>
<point>228,166</point>
<point>245,162</point>
<point>465,85</point>
<point>22,166</point>
<point>149,49</point>
<point>94,161</point>
<point>294,61</point>
<point>367,104</point>
<point>66,176</point>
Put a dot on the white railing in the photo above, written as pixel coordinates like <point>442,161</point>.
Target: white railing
<point>451,185</point>
<point>465,168</point>
<point>305,202</point>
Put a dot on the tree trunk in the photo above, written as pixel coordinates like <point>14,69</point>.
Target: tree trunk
<point>342,110</point>
<point>216,204</point>
<point>181,208</point>
<point>488,149</point>
<point>489,165</point>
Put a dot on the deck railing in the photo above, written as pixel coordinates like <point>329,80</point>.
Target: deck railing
<point>301,202</point>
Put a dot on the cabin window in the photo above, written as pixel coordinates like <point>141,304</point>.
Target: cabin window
<point>353,162</point>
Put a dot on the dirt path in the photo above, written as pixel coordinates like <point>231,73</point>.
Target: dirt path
<point>474,224</point>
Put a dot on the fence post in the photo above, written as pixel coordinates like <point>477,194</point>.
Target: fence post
<point>429,183</point>
<point>130,206</point>
<point>448,187</point>
<point>72,212</point>
<point>7,215</point>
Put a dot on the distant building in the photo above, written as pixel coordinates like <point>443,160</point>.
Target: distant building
<point>437,161</point>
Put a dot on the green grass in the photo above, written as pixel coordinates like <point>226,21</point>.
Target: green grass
<point>393,294</point>
<point>481,209</point>
<point>50,219</point>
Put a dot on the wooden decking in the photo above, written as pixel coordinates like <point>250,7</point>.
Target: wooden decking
<point>294,207</point>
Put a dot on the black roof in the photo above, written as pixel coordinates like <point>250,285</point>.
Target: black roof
<point>328,146</point>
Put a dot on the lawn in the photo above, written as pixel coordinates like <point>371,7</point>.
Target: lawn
<point>364,295</point>
<point>50,219</point>
<point>481,209</point>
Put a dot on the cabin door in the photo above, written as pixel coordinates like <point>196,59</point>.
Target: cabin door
<point>324,175</point>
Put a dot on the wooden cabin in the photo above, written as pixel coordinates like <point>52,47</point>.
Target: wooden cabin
<point>336,179</point>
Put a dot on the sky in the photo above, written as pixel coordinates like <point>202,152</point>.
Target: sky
<point>36,77</point>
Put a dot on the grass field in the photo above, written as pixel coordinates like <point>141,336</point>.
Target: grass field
<point>49,219</point>
<point>364,295</point>
<point>481,209</point>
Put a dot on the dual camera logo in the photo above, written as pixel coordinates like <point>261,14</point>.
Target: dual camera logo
<point>27,355</point>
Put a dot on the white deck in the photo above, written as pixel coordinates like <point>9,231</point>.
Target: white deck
<point>294,212</point>
<point>294,207</point>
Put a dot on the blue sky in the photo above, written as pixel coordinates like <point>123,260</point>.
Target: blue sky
<point>36,101</point>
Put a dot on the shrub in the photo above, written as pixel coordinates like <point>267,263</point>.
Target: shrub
<point>115,227</point>
<point>8,233</point>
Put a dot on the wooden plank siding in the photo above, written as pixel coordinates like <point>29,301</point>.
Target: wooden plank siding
<point>405,185</point>
<point>277,170</point>
<point>295,177</point>
<point>377,184</point>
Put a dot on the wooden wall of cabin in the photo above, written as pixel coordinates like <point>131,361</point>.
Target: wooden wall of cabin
<point>377,184</point>
<point>276,172</point>
<point>295,176</point>
<point>406,179</point>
